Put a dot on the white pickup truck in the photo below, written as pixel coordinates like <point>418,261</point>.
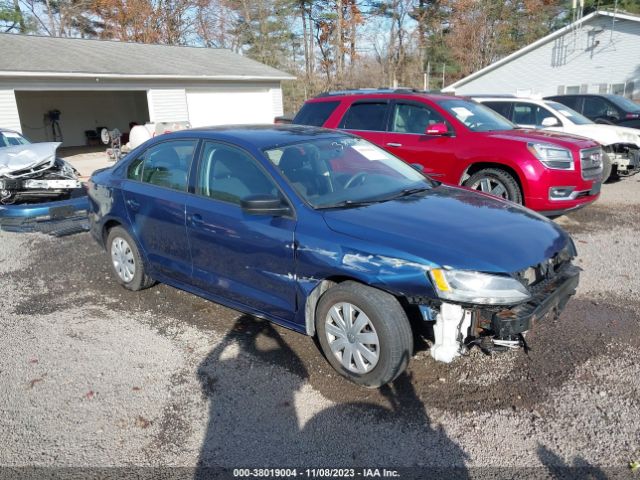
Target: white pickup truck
<point>621,145</point>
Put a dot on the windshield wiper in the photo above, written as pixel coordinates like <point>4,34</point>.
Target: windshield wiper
<point>362,203</point>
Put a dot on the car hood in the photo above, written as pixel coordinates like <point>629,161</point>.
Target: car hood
<point>454,227</point>
<point>545,136</point>
<point>13,160</point>
<point>607,134</point>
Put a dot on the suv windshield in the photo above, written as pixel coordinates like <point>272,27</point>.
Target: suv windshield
<point>571,114</point>
<point>476,117</point>
<point>624,103</point>
<point>344,172</point>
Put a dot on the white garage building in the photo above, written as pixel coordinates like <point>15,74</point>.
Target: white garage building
<point>600,53</point>
<point>96,83</point>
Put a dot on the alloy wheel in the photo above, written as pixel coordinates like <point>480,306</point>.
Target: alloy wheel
<point>492,186</point>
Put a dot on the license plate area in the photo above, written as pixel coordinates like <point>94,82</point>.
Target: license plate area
<point>59,213</point>
<point>50,184</point>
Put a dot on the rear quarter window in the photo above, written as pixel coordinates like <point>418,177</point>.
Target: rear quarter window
<point>315,113</point>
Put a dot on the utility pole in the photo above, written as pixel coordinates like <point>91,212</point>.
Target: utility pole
<point>443,67</point>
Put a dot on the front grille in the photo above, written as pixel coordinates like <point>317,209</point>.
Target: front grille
<point>591,163</point>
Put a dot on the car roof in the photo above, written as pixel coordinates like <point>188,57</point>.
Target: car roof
<point>382,93</point>
<point>260,136</point>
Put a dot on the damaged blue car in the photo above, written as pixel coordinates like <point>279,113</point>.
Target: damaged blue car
<point>324,233</point>
<point>38,190</point>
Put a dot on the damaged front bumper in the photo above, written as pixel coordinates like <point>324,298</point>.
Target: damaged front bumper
<point>550,296</point>
<point>457,327</point>
<point>62,217</point>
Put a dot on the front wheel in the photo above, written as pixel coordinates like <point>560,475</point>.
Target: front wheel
<point>126,262</point>
<point>364,333</point>
<point>607,167</point>
<point>497,182</point>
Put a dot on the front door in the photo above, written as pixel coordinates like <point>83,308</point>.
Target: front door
<point>245,258</point>
<point>155,193</point>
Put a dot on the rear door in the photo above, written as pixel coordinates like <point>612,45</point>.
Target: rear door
<point>155,194</point>
<point>407,139</point>
<point>246,258</point>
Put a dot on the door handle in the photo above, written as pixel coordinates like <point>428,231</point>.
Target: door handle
<point>196,220</point>
<point>133,205</point>
<point>394,144</point>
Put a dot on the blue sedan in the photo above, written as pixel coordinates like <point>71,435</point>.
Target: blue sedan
<point>324,233</point>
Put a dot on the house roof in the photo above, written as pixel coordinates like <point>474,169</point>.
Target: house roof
<point>27,55</point>
<point>537,43</point>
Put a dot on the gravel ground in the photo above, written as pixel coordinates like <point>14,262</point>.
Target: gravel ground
<point>94,375</point>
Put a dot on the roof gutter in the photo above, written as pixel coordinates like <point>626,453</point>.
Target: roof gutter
<point>123,76</point>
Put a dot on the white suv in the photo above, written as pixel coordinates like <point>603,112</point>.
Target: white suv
<point>621,145</point>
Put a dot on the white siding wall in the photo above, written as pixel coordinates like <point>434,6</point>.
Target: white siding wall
<point>9,117</point>
<point>579,57</point>
<point>228,105</point>
<point>168,105</point>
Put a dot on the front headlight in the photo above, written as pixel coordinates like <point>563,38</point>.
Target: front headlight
<point>552,156</point>
<point>475,287</point>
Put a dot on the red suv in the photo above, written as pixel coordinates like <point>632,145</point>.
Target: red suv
<point>461,142</point>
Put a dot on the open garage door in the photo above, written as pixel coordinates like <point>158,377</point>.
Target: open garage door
<point>233,106</point>
<point>81,113</point>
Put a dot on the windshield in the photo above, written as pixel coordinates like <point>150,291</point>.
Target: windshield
<point>10,139</point>
<point>569,113</point>
<point>342,172</point>
<point>624,103</point>
<point>476,117</point>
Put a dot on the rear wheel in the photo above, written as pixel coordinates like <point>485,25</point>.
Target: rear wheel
<point>126,262</point>
<point>364,333</point>
<point>497,182</point>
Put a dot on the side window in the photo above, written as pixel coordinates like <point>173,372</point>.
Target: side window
<point>229,174</point>
<point>410,118</point>
<point>315,113</point>
<point>542,113</point>
<point>134,170</point>
<point>167,164</point>
<point>596,107</point>
<point>503,108</point>
<point>524,114</point>
<point>366,116</point>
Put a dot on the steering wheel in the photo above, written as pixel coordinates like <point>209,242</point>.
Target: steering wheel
<point>360,176</point>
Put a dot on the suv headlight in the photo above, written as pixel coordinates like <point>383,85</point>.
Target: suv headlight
<point>552,156</point>
<point>480,288</point>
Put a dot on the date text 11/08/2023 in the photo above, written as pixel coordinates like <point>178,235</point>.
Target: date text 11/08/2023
<point>315,473</point>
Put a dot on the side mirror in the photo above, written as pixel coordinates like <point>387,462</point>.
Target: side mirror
<point>418,167</point>
<point>437,130</point>
<point>550,122</point>
<point>264,205</point>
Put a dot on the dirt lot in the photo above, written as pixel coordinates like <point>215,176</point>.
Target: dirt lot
<point>93,375</point>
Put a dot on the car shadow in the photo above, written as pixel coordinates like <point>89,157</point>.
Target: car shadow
<point>263,413</point>
<point>557,468</point>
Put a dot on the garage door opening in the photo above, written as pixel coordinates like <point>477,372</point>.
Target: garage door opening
<point>82,114</point>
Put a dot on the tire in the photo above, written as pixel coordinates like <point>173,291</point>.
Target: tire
<point>502,182</point>
<point>386,321</point>
<point>122,250</point>
<point>606,167</point>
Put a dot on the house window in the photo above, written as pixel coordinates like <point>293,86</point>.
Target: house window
<point>630,89</point>
<point>573,89</point>
<point>602,88</point>
<point>617,88</point>
<point>560,90</point>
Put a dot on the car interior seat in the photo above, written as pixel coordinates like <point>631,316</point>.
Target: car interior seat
<point>234,176</point>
